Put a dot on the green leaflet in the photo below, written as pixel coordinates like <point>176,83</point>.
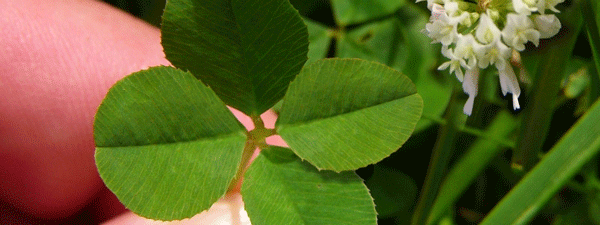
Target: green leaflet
<point>400,44</point>
<point>343,114</point>
<point>394,192</point>
<point>319,39</point>
<point>158,134</point>
<point>247,51</point>
<point>281,189</point>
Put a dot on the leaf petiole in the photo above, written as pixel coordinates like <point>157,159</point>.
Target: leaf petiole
<point>256,140</point>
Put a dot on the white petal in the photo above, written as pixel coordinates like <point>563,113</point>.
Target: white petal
<point>508,81</point>
<point>547,25</point>
<point>503,84</point>
<point>548,4</point>
<point>503,55</point>
<point>468,108</point>
<point>470,86</point>
<point>487,32</point>
<point>437,11</point>
<point>444,65</point>
<point>458,72</point>
<point>533,36</point>
<point>465,49</point>
<point>441,28</point>
<point>451,7</point>
<point>482,60</point>
<point>448,53</point>
<point>471,81</point>
<point>431,3</point>
<point>518,30</point>
<point>516,102</point>
<point>522,8</point>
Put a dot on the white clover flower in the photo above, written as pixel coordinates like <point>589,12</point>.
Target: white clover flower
<point>547,25</point>
<point>430,3</point>
<point>452,10</point>
<point>476,34</point>
<point>510,84</point>
<point>542,5</point>
<point>441,27</point>
<point>454,64</point>
<point>487,32</point>
<point>518,30</point>
<point>524,7</point>
<point>493,54</point>
<point>465,48</point>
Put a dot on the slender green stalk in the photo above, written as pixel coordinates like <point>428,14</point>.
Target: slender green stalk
<point>442,152</point>
<point>590,16</point>
<point>592,30</point>
<point>249,149</point>
<point>256,139</point>
<point>545,92</point>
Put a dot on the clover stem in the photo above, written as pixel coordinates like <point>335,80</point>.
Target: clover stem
<point>539,112</point>
<point>249,150</point>
<point>440,158</point>
<point>256,140</point>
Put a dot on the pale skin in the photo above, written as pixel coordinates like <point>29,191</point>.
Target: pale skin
<point>57,61</point>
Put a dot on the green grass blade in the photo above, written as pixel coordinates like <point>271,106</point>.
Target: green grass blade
<point>559,165</point>
<point>538,113</point>
<point>472,164</point>
<point>591,12</point>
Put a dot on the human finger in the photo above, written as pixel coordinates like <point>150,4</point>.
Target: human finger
<point>59,59</point>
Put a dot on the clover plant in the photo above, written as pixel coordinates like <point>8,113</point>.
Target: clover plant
<point>169,148</point>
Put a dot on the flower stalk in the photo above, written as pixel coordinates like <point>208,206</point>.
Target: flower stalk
<point>438,165</point>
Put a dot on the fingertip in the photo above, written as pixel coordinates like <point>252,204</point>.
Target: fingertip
<point>228,210</point>
<point>59,59</point>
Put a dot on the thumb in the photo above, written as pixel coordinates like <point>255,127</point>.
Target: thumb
<point>59,59</point>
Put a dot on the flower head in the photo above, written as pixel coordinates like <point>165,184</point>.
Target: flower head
<point>476,35</point>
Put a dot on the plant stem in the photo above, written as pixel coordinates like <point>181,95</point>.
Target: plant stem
<point>545,92</point>
<point>442,152</point>
<point>249,150</point>
<point>593,35</point>
<point>592,31</point>
<point>256,140</point>
<point>481,134</point>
